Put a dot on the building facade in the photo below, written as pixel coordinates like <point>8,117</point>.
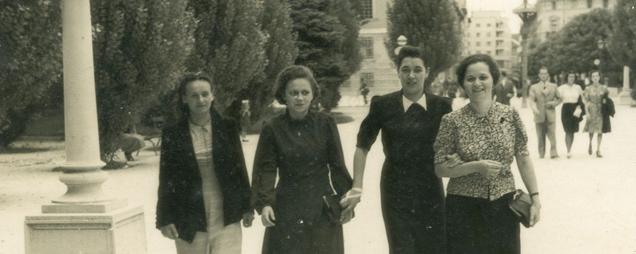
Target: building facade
<point>552,15</point>
<point>487,32</point>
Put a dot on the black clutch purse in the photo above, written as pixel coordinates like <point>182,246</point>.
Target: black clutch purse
<point>520,206</point>
<point>331,204</point>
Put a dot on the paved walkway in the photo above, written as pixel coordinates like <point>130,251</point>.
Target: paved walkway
<point>588,203</point>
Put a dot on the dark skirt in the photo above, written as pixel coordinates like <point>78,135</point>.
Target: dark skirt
<point>607,125</point>
<point>477,226</point>
<point>570,122</point>
<point>317,237</point>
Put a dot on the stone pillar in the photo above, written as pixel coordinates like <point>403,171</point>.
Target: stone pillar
<point>84,219</point>
<point>625,98</point>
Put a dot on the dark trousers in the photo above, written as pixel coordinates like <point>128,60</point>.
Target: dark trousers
<point>414,225</point>
<point>478,226</point>
<point>546,129</point>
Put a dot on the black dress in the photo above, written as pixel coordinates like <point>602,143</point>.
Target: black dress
<point>569,121</point>
<point>303,153</point>
<point>412,195</point>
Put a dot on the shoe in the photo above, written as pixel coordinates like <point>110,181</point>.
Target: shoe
<point>598,154</point>
<point>554,156</point>
<point>568,156</point>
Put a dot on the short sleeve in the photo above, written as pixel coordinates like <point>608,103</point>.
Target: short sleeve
<point>521,138</point>
<point>446,141</point>
<point>370,126</point>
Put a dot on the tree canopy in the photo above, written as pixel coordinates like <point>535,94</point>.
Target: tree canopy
<point>431,25</point>
<point>623,42</point>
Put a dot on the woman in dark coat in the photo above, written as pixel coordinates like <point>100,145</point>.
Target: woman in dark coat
<point>607,110</point>
<point>204,190</point>
<point>303,148</point>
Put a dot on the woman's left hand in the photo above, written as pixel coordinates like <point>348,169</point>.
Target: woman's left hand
<point>535,212</point>
<point>346,216</point>
<point>247,219</point>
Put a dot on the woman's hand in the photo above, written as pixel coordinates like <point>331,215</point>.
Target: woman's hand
<point>170,231</point>
<point>453,160</point>
<point>346,216</point>
<point>535,212</point>
<point>247,219</point>
<point>489,168</point>
<point>267,216</point>
<point>349,201</point>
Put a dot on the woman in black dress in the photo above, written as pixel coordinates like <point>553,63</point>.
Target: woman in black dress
<point>303,148</point>
<point>572,110</point>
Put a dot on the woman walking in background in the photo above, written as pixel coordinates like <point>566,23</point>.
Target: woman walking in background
<point>474,148</point>
<point>204,190</point>
<point>572,110</point>
<point>303,148</point>
<point>593,100</point>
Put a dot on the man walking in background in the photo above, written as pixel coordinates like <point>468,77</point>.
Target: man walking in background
<point>544,97</point>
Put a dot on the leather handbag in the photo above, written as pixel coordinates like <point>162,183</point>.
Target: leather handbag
<point>331,204</point>
<point>520,206</point>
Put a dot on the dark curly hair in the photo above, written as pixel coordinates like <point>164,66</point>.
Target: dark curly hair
<point>477,58</point>
<point>409,51</point>
<point>294,72</point>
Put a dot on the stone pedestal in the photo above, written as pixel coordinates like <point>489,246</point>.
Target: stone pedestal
<point>116,232</point>
<point>83,220</point>
<point>625,97</point>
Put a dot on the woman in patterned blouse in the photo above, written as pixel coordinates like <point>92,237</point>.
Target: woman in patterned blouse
<point>474,148</point>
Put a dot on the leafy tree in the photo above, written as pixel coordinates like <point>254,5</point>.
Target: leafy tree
<point>622,43</point>
<point>139,50</point>
<point>576,46</point>
<point>280,52</point>
<point>431,25</point>
<point>327,42</point>
<point>228,45</point>
<point>30,61</point>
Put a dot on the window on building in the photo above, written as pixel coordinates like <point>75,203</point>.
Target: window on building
<point>488,52</point>
<point>605,3</point>
<point>477,25</point>
<point>478,44</point>
<point>488,43</point>
<point>499,52</point>
<point>499,33</point>
<point>467,43</point>
<point>366,9</point>
<point>499,43</point>
<point>589,3</point>
<point>553,5</point>
<point>488,25</point>
<point>476,34</point>
<point>368,78</point>
<point>501,63</point>
<point>478,51</point>
<point>366,47</point>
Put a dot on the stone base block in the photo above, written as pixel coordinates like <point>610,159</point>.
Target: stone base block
<point>117,232</point>
<point>625,97</point>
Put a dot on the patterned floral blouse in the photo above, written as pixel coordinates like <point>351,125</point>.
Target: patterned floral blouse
<point>499,136</point>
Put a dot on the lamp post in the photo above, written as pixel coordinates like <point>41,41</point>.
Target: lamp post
<point>401,42</point>
<point>527,14</point>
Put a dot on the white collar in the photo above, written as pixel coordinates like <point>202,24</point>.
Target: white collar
<point>406,103</point>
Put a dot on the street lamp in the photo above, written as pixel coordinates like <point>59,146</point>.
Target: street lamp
<point>401,42</point>
<point>528,15</point>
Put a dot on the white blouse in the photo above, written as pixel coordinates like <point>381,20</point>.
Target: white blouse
<point>570,93</point>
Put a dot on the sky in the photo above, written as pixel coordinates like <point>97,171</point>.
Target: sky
<point>506,6</point>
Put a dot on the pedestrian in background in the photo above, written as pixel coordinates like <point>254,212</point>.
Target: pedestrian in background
<point>593,100</point>
<point>245,119</point>
<point>204,190</point>
<point>544,97</point>
<point>504,90</point>
<point>475,148</point>
<point>302,147</point>
<point>572,110</point>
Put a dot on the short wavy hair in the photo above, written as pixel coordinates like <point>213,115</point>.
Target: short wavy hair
<point>409,51</point>
<point>294,72</point>
<point>477,58</point>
